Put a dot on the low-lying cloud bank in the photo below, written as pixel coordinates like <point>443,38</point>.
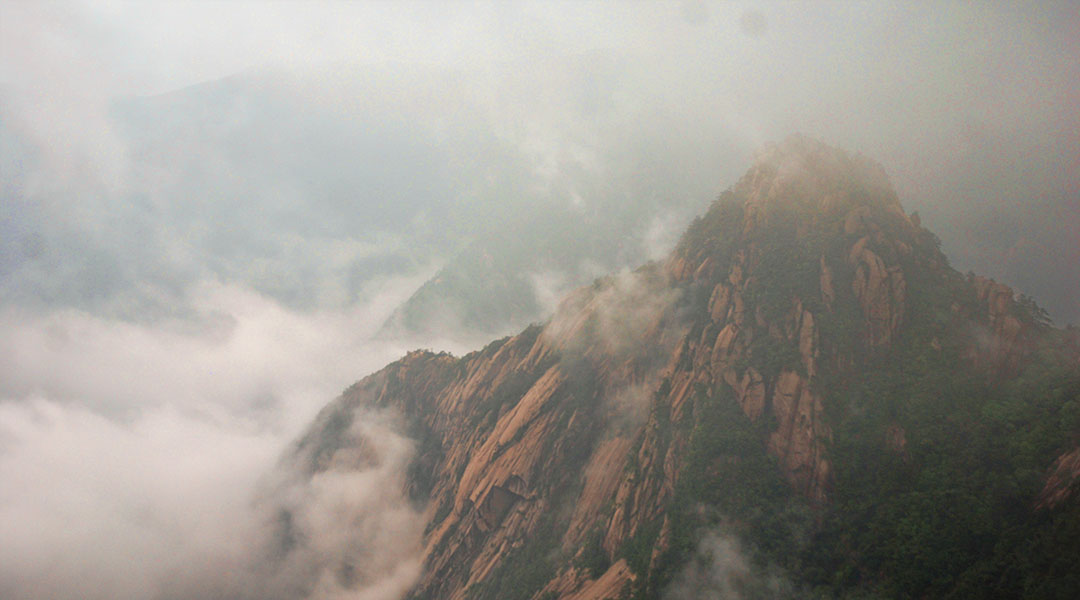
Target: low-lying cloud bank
<point>142,461</point>
<point>349,529</point>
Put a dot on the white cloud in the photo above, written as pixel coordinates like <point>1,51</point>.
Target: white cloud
<point>130,454</point>
<point>96,508</point>
<point>719,568</point>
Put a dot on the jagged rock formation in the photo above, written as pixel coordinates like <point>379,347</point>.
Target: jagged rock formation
<point>1001,346</point>
<point>570,461</point>
<point>1062,482</point>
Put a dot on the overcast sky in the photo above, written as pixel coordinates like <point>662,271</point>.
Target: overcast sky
<point>289,172</point>
<point>972,108</point>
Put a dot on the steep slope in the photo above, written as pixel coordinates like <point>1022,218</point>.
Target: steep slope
<point>805,374</point>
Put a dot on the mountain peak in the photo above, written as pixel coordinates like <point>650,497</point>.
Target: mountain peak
<point>813,180</point>
<point>802,200</point>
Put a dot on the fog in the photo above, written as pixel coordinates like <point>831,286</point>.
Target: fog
<point>131,455</point>
<point>720,568</point>
<point>210,210</point>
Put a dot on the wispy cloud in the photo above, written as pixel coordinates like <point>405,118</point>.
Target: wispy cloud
<point>720,568</point>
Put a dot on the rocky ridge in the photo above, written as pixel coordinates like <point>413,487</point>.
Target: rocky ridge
<point>548,457</point>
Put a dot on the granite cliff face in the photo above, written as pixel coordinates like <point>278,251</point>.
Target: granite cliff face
<point>555,463</point>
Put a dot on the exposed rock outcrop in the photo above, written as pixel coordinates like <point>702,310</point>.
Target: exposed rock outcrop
<point>999,344</point>
<point>880,291</point>
<point>1063,481</point>
<point>799,439</point>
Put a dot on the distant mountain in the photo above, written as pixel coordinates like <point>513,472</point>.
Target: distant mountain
<point>315,188</point>
<point>301,190</point>
<point>802,400</point>
<point>516,275</point>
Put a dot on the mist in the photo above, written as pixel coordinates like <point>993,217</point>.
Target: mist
<point>133,456</point>
<point>216,216</point>
<point>721,568</point>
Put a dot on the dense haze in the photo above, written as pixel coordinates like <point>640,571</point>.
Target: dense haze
<point>210,211</point>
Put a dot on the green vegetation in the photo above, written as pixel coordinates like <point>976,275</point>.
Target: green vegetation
<point>785,264</point>
<point>593,558</point>
<point>728,482</point>
<point>771,355</point>
<point>716,233</point>
<point>951,513</point>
